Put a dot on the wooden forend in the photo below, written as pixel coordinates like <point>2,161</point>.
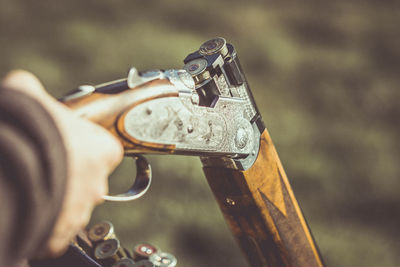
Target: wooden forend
<point>260,208</point>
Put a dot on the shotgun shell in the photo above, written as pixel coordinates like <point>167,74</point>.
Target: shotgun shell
<point>125,262</point>
<point>143,251</point>
<point>213,46</point>
<point>197,68</point>
<point>144,263</point>
<point>101,231</point>
<point>109,252</point>
<point>163,259</point>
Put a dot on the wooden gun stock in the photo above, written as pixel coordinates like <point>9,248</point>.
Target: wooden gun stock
<point>260,208</point>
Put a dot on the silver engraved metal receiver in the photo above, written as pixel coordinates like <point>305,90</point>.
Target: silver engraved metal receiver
<point>222,79</point>
<point>214,114</point>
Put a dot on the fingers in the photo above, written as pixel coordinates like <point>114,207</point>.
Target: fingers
<point>108,150</point>
<point>95,143</point>
<point>112,149</point>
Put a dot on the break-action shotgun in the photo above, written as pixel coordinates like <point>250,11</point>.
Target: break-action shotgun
<point>207,109</point>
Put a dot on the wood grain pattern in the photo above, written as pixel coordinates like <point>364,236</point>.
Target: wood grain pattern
<point>262,212</point>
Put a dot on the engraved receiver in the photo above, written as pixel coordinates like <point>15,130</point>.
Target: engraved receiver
<point>204,109</point>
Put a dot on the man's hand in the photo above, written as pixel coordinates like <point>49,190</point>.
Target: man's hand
<point>92,154</point>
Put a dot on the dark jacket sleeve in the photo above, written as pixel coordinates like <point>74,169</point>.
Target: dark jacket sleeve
<point>33,171</point>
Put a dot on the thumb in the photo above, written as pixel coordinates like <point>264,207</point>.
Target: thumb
<point>24,81</point>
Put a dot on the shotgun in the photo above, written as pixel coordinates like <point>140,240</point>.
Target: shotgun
<point>207,109</point>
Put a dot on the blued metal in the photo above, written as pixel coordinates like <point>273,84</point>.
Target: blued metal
<point>81,91</point>
<point>141,184</point>
<point>208,92</point>
<point>113,87</point>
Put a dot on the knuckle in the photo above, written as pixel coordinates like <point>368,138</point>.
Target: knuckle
<point>22,80</point>
<point>114,152</point>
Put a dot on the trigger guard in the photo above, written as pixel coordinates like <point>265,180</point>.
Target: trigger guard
<point>141,184</point>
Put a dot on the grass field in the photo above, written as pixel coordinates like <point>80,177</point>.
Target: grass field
<point>326,78</point>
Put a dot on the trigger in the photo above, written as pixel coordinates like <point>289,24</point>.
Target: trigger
<point>141,184</point>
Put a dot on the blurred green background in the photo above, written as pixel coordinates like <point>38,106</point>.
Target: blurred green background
<point>324,74</point>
